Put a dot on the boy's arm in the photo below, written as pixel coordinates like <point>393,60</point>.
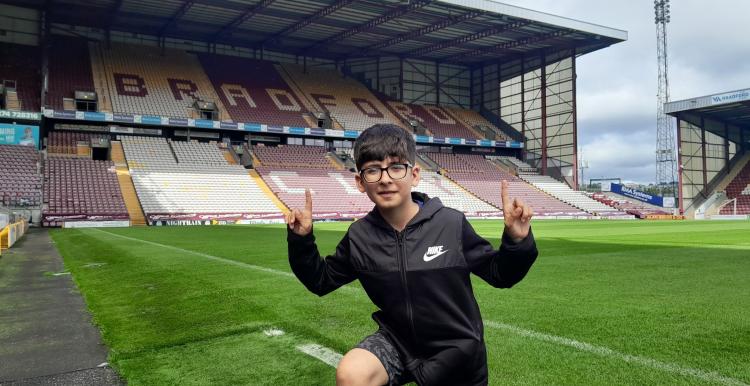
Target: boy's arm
<point>500,268</point>
<point>509,265</point>
<point>320,276</point>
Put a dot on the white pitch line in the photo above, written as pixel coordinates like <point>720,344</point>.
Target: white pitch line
<point>587,347</point>
<point>210,257</point>
<point>709,376</point>
<point>321,353</point>
<point>324,354</point>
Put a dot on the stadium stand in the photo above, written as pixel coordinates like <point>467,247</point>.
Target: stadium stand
<point>293,156</point>
<point>165,186</point>
<point>332,191</point>
<point>253,91</point>
<point>20,75</point>
<point>564,193</point>
<point>471,119</point>
<point>66,142</point>
<point>149,80</point>
<point>636,208</point>
<point>69,71</point>
<point>348,101</point>
<point>20,181</point>
<point>452,195</point>
<point>198,153</point>
<point>739,189</point>
<point>288,170</point>
<point>81,189</point>
<point>519,166</point>
<point>434,118</point>
<point>483,179</point>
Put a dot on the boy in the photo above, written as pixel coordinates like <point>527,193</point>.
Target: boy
<point>413,257</point>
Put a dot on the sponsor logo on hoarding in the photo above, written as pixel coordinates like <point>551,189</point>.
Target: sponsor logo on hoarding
<point>730,97</point>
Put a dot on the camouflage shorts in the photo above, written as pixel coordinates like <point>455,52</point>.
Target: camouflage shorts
<point>381,346</point>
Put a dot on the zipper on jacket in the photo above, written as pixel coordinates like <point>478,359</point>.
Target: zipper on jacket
<point>402,261</point>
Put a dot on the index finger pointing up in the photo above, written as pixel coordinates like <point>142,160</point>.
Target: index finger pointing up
<point>308,200</point>
<point>504,193</point>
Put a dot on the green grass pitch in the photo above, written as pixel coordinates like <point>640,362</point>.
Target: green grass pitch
<point>627,303</point>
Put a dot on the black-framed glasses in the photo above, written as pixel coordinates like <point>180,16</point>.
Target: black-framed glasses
<point>373,174</point>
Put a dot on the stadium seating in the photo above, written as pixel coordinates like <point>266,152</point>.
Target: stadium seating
<point>20,182</point>
<point>20,71</point>
<point>253,91</point>
<point>199,184</point>
<point>450,194</point>
<point>564,193</point>
<point>69,71</point>
<point>198,153</point>
<point>483,179</point>
<point>65,142</point>
<point>472,118</point>
<point>348,101</point>
<point>147,80</point>
<point>147,152</point>
<point>333,191</point>
<point>293,156</point>
<point>436,119</point>
<point>288,170</point>
<point>81,189</point>
<point>739,188</point>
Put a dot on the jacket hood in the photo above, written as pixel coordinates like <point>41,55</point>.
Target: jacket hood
<point>430,207</point>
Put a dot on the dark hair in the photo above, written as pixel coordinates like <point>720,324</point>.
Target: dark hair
<point>381,141</point>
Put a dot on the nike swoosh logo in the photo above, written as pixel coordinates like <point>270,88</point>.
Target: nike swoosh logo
<point>427,257</point>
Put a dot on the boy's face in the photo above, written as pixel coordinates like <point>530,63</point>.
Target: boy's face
<point>389,192</point>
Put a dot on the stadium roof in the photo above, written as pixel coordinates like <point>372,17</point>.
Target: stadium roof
<point>464,32</point>
<point>732,108</point>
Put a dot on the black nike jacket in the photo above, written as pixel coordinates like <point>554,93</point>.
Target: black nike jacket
<point>419,279</point>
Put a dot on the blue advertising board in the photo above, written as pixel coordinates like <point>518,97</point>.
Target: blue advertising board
<point>665,202</point>
<point>12,134</point>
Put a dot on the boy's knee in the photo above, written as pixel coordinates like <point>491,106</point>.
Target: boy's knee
<point>354,370</point>
<point>349,374</point>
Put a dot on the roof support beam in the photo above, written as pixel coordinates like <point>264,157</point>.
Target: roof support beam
<point>468,38</point>
<point>445,23</point>
<point>186,5</point>
<point>506,47</point>
<point>372,23</point>
<point>309,20</point>
<point>245,16</point>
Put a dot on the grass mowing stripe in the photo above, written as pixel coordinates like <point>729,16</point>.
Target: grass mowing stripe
<point>211,257</point>
<point>582,346</point>
<point>609,353</point>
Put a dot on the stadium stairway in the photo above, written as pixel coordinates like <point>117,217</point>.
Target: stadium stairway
<point>11,101</point>
<point>335,162</point>
<point>127,188</point>
<point>229,157</point>
<point>267,190</point>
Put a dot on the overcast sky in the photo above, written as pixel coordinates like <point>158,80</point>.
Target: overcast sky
<point>709,52</point>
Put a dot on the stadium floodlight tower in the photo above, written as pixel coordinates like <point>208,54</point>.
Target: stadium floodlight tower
<point>665,136</point>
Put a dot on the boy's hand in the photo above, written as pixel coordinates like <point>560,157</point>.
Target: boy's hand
<point>300,221</point>
<point>517,215</point>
